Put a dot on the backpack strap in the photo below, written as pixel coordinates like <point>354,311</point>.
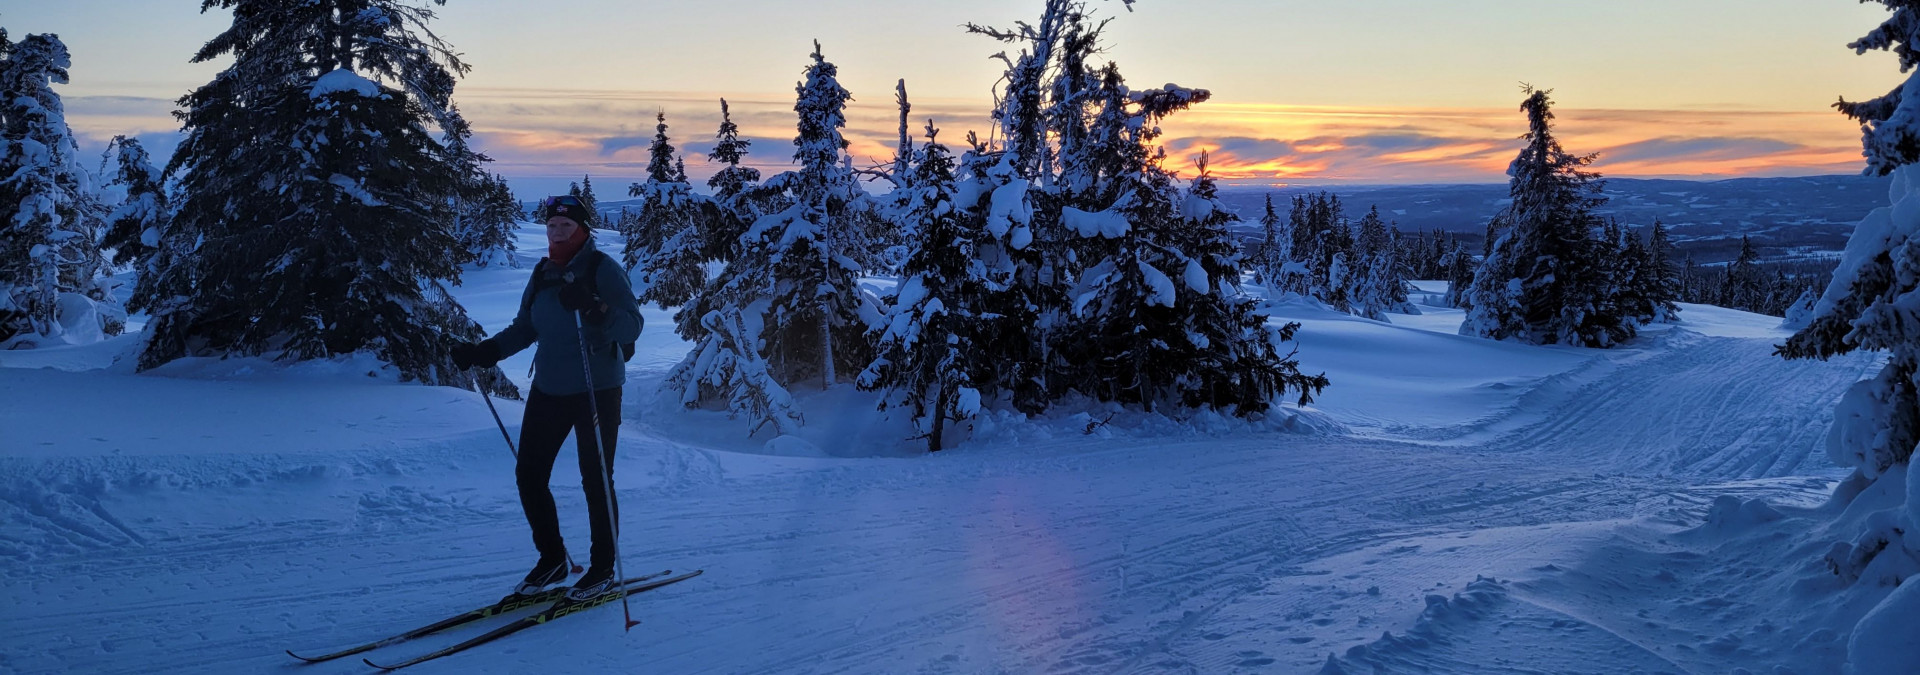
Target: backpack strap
<point>526,300</point>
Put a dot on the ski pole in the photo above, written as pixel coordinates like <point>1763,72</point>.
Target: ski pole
<point>496,419</point>
<point>606,470</point>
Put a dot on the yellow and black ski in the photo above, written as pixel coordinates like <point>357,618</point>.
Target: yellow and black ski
<point>509,604</point>
<point>558,609</point>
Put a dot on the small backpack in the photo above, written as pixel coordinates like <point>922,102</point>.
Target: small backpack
<point>593,282</point>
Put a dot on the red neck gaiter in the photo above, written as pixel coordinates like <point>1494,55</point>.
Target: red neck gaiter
<point>563,252</point>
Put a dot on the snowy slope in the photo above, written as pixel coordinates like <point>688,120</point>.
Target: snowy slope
<point>203,517</point>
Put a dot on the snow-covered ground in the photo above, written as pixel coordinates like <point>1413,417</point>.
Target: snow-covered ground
<point>1450,504</point>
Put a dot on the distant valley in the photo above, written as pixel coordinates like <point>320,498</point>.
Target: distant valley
<point>1786,217</point>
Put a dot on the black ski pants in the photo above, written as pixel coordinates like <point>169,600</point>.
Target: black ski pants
<point>543,430</point>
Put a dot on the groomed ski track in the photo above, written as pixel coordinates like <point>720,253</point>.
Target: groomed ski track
<point>1238,553</point>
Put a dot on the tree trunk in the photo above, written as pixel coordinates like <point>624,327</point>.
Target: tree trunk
<point>939,419</point>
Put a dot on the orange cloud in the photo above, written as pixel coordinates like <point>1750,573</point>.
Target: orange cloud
<point>538,137</point>
<point>1250,141</point>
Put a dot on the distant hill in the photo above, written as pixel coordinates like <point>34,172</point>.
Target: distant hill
<point>1786,217</point>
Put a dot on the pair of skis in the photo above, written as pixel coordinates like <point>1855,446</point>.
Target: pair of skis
<point>557,605</point>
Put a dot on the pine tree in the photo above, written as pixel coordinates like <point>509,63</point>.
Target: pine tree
<point>486,216</point>
<point>1071,193</point>
<point>1324,250</point>
<point>1873,304</point>
<point>586,195</point>
<point>1235,363</point>
<point>316,212</point>
<point>725,218</point>
<point>788,309</point>
<point>1461,269</point>
<point>1800,313</point>
<point>1664,286</point>
<point>1334,269</point>
<point>1638,290</point>
<point>1745,285</point>
<point>1019,110</point>
<point>50,259</point>
<point>1432,261</point>
<point>731,186</point>
<point>927,353</point>
<point>667,243</point>
<point>1271,259</point>
<point>660,159</point>
<point>1542,281</point>
<point>134,226</point>
<point>489,216</point>
<point>1379,284</point>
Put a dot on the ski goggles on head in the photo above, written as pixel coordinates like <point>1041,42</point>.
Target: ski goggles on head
<point>566,206</point>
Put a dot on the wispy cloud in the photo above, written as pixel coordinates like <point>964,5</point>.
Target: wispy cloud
<point>1698,149</point>
<point>1304,143</point>
<point>542,138</point>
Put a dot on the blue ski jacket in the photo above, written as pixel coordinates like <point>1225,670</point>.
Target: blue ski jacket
<point>556,364</point>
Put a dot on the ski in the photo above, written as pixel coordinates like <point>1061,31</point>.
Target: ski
<point>508,604</point>
<point>560,608</point>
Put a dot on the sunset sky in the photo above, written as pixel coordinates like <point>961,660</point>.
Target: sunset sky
<point>1367,91</point>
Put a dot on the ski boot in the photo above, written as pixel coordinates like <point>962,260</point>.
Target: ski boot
<point>547,572</point>
<point>596,582</point>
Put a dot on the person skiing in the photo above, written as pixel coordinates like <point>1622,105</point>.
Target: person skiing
<point>574,278</point>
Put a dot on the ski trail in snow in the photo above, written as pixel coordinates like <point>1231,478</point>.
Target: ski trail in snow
<point>1244,552</point>
<point>1701,408</point>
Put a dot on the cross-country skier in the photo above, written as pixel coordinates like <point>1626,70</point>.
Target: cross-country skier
<point>575,277</point>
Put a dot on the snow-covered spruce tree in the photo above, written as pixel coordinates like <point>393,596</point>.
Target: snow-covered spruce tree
<point>50,220</point>
<point>1379,284</point>
<point>1323,244</point>
<point>1873,303</point>
<point>1542,281</point>
<point>661,164</point>
<point>1662,279</point>
<point>1019,106</point>
<point>134,226</point>
<point>485,213</point>
<point>733,209</point>
<point>1138,336</point>
<point>1800,313</point>
<point>732,182</point>
<point>488,217</point>
<point>818,312</point>
<point>315,215</point>
<point>1425,261</point>
<point>1236,364</point>
<point>664,208</point>
<point>1126,337</point>
<point>1461,268</point>
<point>1610,268</point>
<point>1395,274</point>
<point>1780,294</point>
<point>587,198</point>
<point>1334,266</point>
<point>896,207</point>
<point>791,296</point>
<point>668,245</point>
<point>1298,273</point>
<point>1271,257</point>
<point>1635,297</point>
<point>1051,93</point>
<point>1745,287</point>
<point>926,352</point>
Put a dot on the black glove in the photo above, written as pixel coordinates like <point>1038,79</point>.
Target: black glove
<point>482,354</point>
<point>575,297</point>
